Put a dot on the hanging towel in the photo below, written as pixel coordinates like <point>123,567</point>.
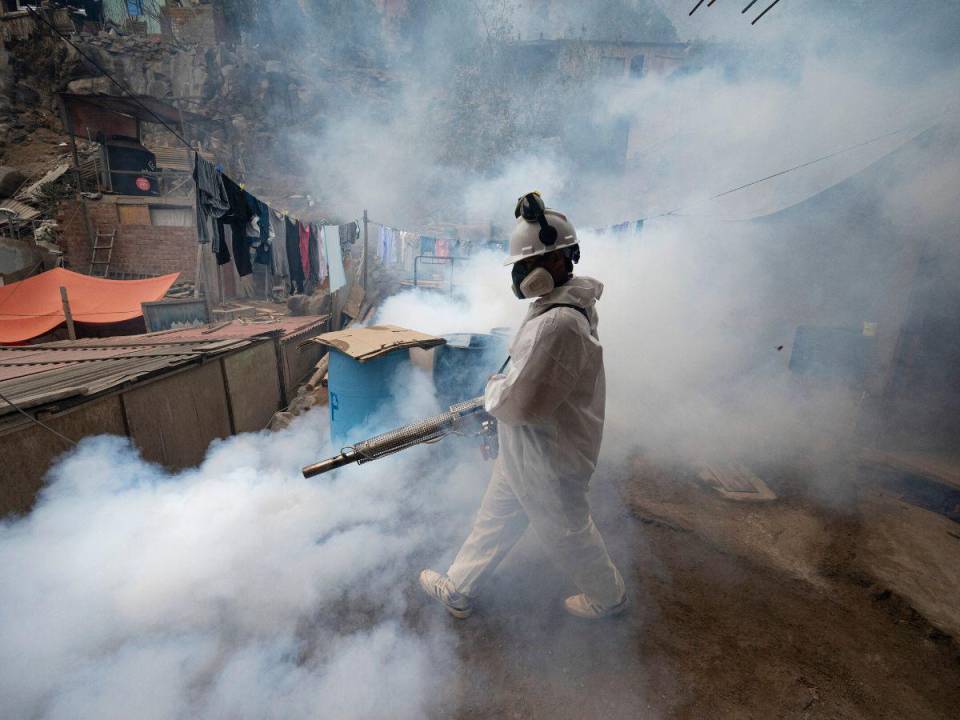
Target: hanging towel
<point>331,250</point>
<point>428,245</point>
<point>381,241</point>
<point>321,255</point>
<point>278,245</point>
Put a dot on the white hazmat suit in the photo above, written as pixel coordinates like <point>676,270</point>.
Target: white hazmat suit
<point>550,407</point>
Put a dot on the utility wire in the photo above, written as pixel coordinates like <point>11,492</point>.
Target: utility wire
<point>769,8</point>
<point>110,77</point>
<point>31,418</point>
<point>811,162</point>
<point>677,211</point>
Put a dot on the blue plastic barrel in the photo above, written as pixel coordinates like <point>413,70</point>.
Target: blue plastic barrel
<point>461,366</point>
<point>358,392</point>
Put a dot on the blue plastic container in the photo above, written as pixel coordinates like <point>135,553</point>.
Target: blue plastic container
<point>462,366</point>
<point>358,391</point>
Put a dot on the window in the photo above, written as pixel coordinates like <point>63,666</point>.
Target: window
<point>171,216</point>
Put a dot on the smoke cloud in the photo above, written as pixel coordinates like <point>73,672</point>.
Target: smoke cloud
<point>240,589</point>
<point>237,589</point>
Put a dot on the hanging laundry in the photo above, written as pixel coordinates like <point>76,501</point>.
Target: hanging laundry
<point>408,242</point>
<point>317,238</point>
<point>395,247</point>
<point>294,262</point>
<point>211,197</point>
<point>331,250</point>
<point>313,250</point>
<point>264,255</point>
<point>349,232</point>
<point>237,217</point>
<point>638,227</point>
<point>278,245</point>
<point>442,247</point>
<point>428,245</point>
<point>303,232</point>
<point>383,248</point>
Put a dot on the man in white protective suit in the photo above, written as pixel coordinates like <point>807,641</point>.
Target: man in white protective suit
<point>550,406</point>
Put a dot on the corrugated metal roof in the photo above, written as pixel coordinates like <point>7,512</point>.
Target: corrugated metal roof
<point>21,210</point>
<point>230,330</point>
<point>34,375</point>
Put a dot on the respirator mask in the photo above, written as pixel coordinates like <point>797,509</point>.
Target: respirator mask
<point>530,279</point>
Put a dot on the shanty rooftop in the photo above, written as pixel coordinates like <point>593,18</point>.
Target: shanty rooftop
<point>74,370</point>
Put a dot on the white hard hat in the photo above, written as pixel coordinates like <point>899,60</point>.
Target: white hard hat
<point>527,238</point>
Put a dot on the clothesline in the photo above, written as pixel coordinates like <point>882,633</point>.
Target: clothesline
<point>304,253</point>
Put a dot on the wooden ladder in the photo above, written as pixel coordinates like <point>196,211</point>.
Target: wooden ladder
<point>102,244</point>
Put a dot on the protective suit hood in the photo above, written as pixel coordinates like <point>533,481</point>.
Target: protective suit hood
<point>580,291</point>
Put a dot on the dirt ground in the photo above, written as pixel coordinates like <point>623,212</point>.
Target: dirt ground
<point>798,608</point>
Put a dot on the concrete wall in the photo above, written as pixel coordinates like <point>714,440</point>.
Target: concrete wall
<point>139,249</point>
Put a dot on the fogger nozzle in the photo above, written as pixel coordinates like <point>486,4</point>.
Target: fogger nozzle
<point>403,437</point>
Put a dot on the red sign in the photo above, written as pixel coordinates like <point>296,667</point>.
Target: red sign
<point>143,184</point>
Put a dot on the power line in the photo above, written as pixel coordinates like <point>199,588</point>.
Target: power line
<point>110,77</point>
<point>769,8</point>
<point>810,162</point>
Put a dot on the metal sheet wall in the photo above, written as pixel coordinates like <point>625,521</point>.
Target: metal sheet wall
<point>254,386</point>
<point>173,420</point>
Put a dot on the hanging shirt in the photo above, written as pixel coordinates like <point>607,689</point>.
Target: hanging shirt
<point>428,245</point>
<point>237,217</point>
<point>331,250</point>
<point>349,232</point>
<point>211,198</point>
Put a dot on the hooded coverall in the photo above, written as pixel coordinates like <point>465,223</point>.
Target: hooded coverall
<point>550,408</point>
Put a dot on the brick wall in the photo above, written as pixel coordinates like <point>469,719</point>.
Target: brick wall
<point>193,24</point>
<point>137,249</point>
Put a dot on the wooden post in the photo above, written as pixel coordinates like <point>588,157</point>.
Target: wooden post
<point>71,330</point>
<point>67,121</point>
<point>366,249</point>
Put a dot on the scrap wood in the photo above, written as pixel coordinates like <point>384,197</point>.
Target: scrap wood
<point>319,374</point>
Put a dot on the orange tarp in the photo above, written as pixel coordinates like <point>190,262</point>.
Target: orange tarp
<point>33,306</point>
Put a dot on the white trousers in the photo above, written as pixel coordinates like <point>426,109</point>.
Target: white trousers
<point>560,517</point>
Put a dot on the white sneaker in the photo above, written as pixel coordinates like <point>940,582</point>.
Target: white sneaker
<point>440,587</point>
<point>584,607</point>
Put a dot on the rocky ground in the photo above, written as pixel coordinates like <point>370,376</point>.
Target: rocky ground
<point>798,608</point>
